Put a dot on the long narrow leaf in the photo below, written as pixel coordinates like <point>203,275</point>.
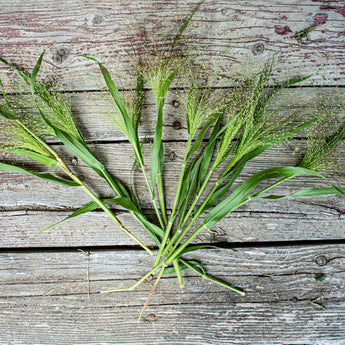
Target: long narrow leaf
<point>208,152</point>
<point>232,176</point>
<point>34,73</point>
<point>91,206</point>
<point>7,113</point>
<point>43,176</point>
<point>183,266</point>
<point>307,192</point>
<point>130,129</point>
<point>242,192</point>
<point>184,25</point>
<point>34,155</point>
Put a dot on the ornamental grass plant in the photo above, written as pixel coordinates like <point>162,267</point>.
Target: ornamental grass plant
<point>225,132</point>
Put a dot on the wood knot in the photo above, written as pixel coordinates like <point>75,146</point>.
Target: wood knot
<point>321,260</point>
<point>172,155</point>
<point>258,49</point>
<point>97,19</point>
<point>175,103</point>
<point>61,54</point>
<point>177,125</point>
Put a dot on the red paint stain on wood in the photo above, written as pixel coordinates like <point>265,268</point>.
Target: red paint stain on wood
<point>320,19</point>
<point>282,30</point>
<point>338,9</point>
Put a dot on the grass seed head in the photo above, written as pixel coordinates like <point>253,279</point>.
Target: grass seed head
<point>325,141</point>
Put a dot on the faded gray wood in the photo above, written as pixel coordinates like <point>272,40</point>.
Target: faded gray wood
<point>50,296</point>
<point>19,191</point>
<point>42,293</point>
<point>92,111</point>
<point>315,218</point>
<point>245,34</point>
<point>282,221</point>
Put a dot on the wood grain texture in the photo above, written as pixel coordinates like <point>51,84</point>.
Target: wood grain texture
<point>19,191</point>
<point>284,221</point>
<point>93,111</point>
<point>50,283</point>
<point>30,205</point>
<point>43,294</point>
<point>232,37</point>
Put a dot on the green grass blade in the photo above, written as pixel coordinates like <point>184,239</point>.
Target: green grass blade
<point>111,86</point>
<point>217,281</point>
<point>34,155</point>
<point>44,176</point>
<point>34,73</point>
<point>307,192</point>
<point>130,129</point>
<point>150,227</point>
<point>89,207</point>
<point>80,149</point>
<point>208,152</point>
<point>239,195</point>
<point>184,25</point>
<point>232,176</point>
<point>7,113</point>
<point>200,137</point>
<point>199,247</point>
<point>189,187</point>
<point>125,203</point>
<point>183,266</point>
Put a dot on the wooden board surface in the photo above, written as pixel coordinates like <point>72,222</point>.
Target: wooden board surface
<point>289,253</point>
<point>44,294</point>
<point>231,35</point>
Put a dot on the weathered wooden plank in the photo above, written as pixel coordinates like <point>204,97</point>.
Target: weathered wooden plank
<point>19,191</point>
<point>240,35</point>
<point>314,218</point>
<point>37,321</point>
<point>285,222</point>
<point>92,110</point>
<point>44,293</point>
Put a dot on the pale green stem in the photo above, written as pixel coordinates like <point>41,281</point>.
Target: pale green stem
<point>174,209</point>
<point>178,232</point>
<point>142,167</point>
<point>179,275</point>
<point>65,168</point>
<point>152,291</point>
<point>161,198</point>
<point>205,276</point>
<point>132,287</point>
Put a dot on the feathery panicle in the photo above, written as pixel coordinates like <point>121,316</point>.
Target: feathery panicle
<point>14,137</point>
<point>201,105</point>
<point>133,108</point>
<point>322,148</point>
<point>260,127</point>
<point>157,74</point>
<point>18,130</point>
<point>57,108</point>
